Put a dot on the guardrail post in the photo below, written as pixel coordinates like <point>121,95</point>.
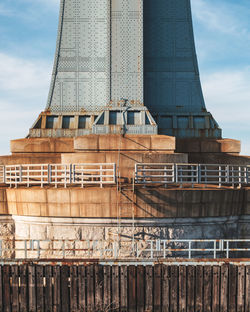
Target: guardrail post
<point>199,174</point>
<point>70,174</point>
<point>227,249</point>
<point>114,173</point>
<point>101,175</point>
<point>215,253</point>
<point>4,174</point>
<point>135,177</point>
<point>165,175</point>
<point>49,174</point>
<point>220,176</point>
<point>189,249</point>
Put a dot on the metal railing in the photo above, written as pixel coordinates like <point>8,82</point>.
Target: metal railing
<point>60,174</point>
<point>140,249</point>
<point>180,174</point>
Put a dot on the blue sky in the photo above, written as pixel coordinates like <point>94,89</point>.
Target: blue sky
<point>28,31</point>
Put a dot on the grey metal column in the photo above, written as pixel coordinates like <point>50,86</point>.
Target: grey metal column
<point>127,51</point>
<point>171,79</point>
<point>81,75</point>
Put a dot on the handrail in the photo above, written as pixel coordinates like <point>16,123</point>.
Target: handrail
<point>138,249</point>
<point>60,174</point>
<point>217,174</point>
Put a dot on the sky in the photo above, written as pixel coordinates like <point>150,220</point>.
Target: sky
<point>28,30</point>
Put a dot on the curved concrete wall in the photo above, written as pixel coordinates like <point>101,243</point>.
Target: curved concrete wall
<point>145,202</point>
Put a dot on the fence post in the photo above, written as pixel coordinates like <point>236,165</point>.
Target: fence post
<point>219,176</point>
<point>227,250</point>
<point>215,254</point>
<point>70,174</point>
<point>101,175</point>
<point>199,174</point>
<point>114,173</point>
<point>189,250</point>
<point>49,174</point>
<point>165,179</point>
<point>1,248</point>
<point>4,174</point>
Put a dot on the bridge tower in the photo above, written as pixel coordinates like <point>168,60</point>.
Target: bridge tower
<point>129,63</point>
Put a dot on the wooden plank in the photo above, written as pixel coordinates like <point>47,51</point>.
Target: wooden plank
<point>65,288</point>
<point>82,288</point>
<point>199,289</point>
<point>32,288</point>
<point>90,288</point>
<point>15,287</point>
<point>241,289</point>
<point>56,288</point>
<point>124,288</point>
<point>190,288</point>
<point>73,288</point>
<point>208,288</point>
<point>224,288</point>
<point>6,288</point>
<point>232,288</point>
<point>1,288</point>
<point>132,288</point>
<point>173,288</point>
<point>165,288</point>
<point>48,288</point>
<point>247,301</point>
<point>216,289</point>
<point>107,287</point>
<point>39,288</point>
<point>140,288</point>
<point>115,288</point>
<point>157,287</point>
<point>182,288</point>
<point>23,288</point>
<point>149,288</point>
<point>99,287</point>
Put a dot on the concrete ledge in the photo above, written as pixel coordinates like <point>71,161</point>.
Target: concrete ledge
<point>42,145</point>
<point>208,146</point>
<point>30,158</point>
<point>125,143</point>
<point>218,158</point>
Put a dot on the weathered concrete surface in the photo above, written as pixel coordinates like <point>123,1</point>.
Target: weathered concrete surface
<point>42,145</point>
<point>128,142</point>
<point>30,158</point>
<point>145,202</point>
<point>208,146</point>
<point>218,158</point>
<point>107,229</point>
<point>125,160</point>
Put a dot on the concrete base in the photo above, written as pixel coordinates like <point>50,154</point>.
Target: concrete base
<point>108,231</point>
<point>144,203</point>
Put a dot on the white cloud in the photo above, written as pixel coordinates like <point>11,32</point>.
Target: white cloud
<point>24,86</point>
<point>221,17</point>
<point>18,74</point>
<point>227,92</point>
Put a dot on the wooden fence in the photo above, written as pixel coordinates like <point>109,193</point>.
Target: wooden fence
<point>170,288</point>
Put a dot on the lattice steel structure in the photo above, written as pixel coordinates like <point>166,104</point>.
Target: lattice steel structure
<point>121,56</point>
